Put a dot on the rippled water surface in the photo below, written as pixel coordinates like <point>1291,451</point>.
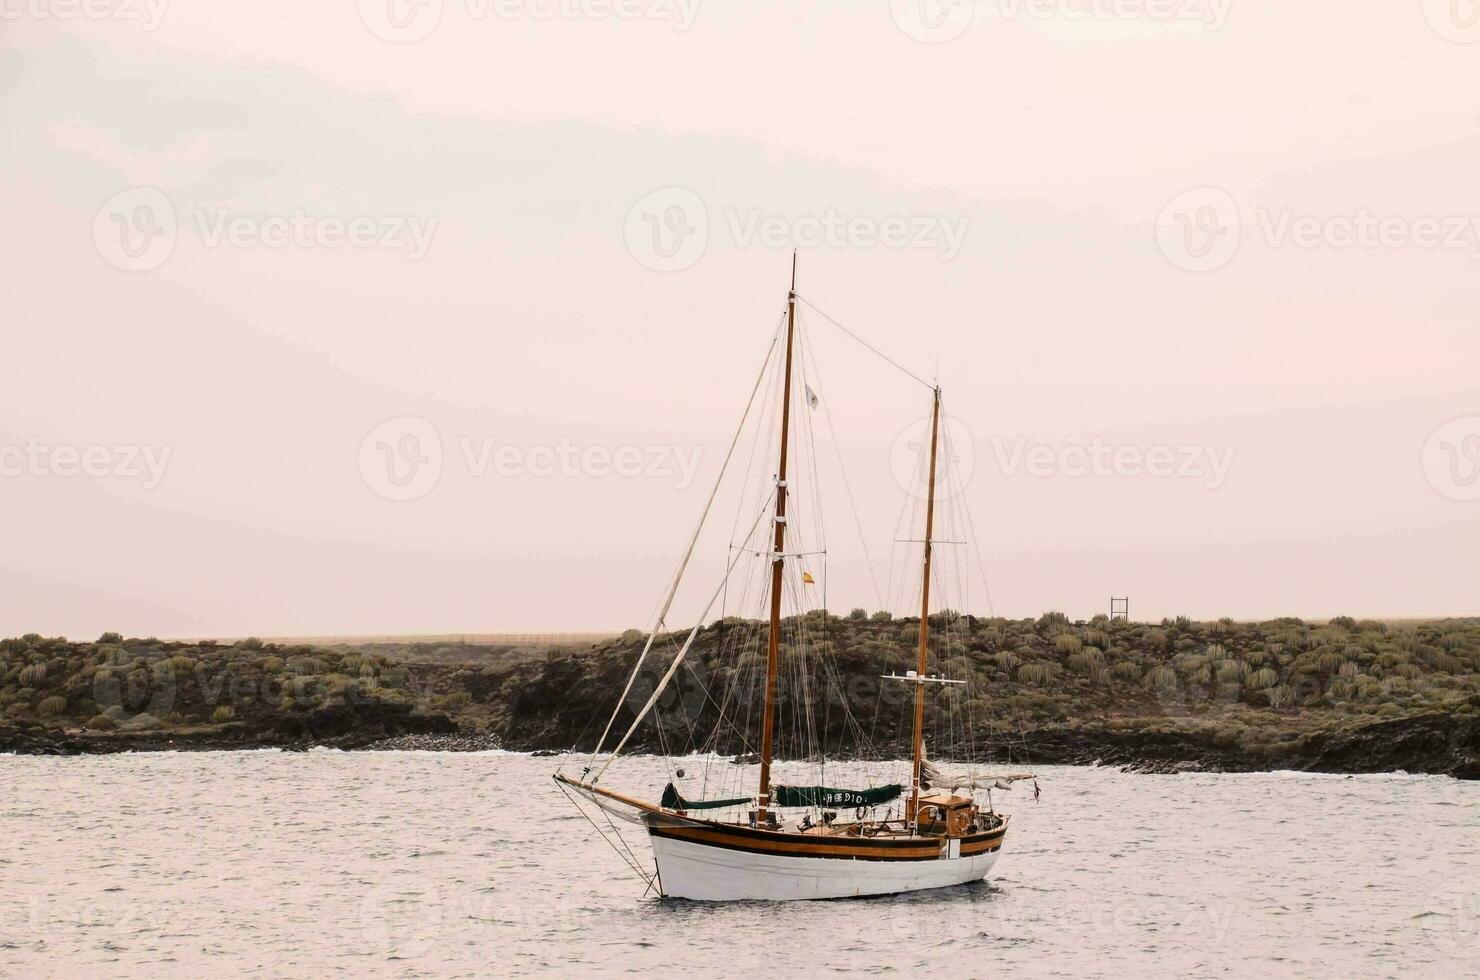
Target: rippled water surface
<point>427,864</point>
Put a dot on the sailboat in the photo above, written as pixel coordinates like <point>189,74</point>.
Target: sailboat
<point>843,845</point>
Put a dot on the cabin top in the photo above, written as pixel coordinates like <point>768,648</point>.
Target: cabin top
<point>947,800</point>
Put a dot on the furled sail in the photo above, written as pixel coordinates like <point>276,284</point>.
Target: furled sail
<point>673,801</point>
<point>831,796</point>
<point>932,778</point>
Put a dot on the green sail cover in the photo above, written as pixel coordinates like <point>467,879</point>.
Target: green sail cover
<point>829,796</point>
<point>672,801</point>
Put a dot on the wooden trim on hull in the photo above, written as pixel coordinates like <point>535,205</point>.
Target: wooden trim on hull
<point>812,846</point>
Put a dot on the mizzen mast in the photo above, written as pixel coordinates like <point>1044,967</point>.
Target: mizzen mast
<point>914,811</point>
<point>768,724</point>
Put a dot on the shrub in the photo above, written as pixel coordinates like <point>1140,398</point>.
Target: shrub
<point>1230,670</point>
<point>1085,661</point>
<point>111,637</point>
<point>1160,678</point>
<point>51,707</point>
<point>1261,679</point>
<point>1036,673</point>
<point>1067,643</point>
<point>1052,619</point>
<point>34,674</point>
<point>1127,670</point>
<point>100,723</point>
<point>223,714</point>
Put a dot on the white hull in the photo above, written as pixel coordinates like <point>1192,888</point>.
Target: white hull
<point>716,874</point>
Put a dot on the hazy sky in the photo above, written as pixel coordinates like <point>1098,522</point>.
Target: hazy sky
<point>432,318</point>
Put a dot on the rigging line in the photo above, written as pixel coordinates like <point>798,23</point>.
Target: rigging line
<point>756,438</point>
<point>581,810</point>
<point>684,563</point>
<point>672,669</point>
<point>865,343</point>
<point>843,471</point>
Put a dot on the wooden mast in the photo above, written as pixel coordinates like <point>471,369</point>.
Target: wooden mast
<point>768,724</point>
<point>914,811</point>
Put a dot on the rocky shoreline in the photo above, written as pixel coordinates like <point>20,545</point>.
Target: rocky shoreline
<point>1435,744</point>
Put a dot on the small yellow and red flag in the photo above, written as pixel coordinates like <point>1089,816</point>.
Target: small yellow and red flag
<point>808,579</point>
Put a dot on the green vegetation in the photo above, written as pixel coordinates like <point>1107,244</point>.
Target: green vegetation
<point>1251,688</point>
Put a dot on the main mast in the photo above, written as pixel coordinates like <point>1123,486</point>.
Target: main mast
<point>914,811</point>
<point>768,724</point>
